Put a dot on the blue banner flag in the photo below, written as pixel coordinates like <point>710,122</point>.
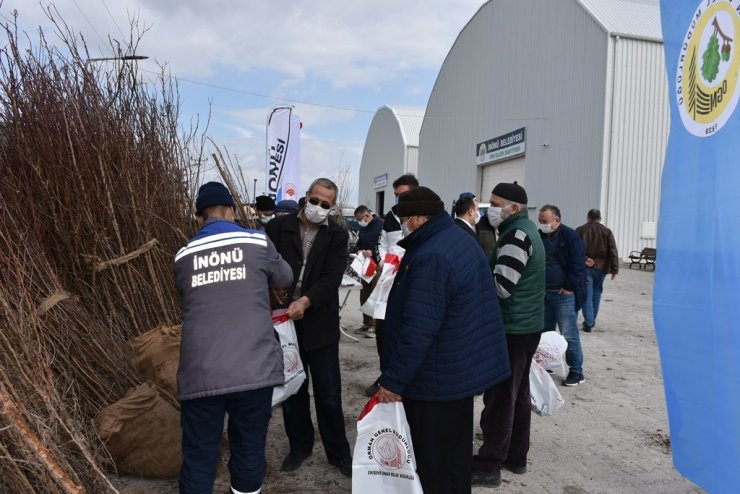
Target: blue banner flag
<point>697,281</point>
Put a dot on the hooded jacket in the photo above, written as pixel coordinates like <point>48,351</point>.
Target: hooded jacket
<point>228,341</point>
<point>444,335</point>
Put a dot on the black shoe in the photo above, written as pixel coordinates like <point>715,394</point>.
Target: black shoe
<point>587,328</point>
<point>516,470</point>
<point>294,460</point>
<point>372,389</point>
<point>486,479</point>
<point>573,379</point>
<point>344,465</point>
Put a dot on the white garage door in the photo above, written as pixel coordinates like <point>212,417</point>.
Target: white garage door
<point>507,171</point>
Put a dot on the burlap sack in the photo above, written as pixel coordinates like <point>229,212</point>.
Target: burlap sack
<point>142,433</point>
<point>156,354</point>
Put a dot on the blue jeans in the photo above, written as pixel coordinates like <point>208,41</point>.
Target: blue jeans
<point>202,421</point>
<point>595,286</point>
<point>561,310</point>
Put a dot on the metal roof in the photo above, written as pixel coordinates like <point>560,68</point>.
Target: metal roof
<point>409,120</point>
<point>625,18</point>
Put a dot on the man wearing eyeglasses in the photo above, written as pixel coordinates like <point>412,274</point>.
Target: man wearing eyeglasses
<point>316,249</point>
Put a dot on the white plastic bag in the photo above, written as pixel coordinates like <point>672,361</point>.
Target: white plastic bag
<point>550,352</point>
<point>294,373</point>
<point>546,399</point>
<point>376,303</point>
<point>383,460</point>
<point>364,266</point>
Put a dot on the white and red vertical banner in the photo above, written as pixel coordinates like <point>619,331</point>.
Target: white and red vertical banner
<point>283,154</point>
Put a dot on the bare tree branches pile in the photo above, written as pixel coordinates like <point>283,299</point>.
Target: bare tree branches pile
<point>95,198</point>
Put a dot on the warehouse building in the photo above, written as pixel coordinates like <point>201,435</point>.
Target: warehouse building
<point>391,149</point>
<point>568,98</point>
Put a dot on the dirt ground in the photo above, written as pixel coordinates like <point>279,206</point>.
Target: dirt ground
<point>610,437</point>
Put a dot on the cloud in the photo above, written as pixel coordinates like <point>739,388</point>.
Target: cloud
<point>319,158</point>
<point>346,44</point>
<point>354,54</point>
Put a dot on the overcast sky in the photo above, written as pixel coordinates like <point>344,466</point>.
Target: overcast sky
<point>359,55</point>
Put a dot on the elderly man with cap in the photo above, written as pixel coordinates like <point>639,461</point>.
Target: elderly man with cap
<point>229,357</point>
<point>264,207</point>
<point>445,339</point>
<point>518,264</point>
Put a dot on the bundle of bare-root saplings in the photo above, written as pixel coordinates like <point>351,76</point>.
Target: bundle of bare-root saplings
<point>96,188</point>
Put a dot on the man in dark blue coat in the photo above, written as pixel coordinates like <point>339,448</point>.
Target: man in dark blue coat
<point>445,340</point>
<point>565,286</point>
<point>367,243</point>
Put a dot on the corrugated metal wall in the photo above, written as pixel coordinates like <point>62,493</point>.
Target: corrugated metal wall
<point>522,63</point>
<point>639,135</point>
<point>412,160</point>
<point>384,152</point>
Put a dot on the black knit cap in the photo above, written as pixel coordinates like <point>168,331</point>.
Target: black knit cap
<point>213,194</point>
<point>419,201</point>
<point>264,203</point>
<point>511,192</point>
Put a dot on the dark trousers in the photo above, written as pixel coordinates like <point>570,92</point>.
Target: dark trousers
<point>441,433</point>
<point>322,369</point>
<point>379,332</point>
<point>202,422</point>
<point>507,416</point>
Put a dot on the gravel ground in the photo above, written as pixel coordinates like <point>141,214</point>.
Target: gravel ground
<point>610,437</point>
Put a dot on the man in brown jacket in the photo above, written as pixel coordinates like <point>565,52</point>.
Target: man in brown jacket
<point>601,259</point>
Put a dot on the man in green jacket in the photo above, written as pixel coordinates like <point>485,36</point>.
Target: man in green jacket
<point>518,264</point>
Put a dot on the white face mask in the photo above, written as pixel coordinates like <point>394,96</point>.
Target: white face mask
<point>266,219</point>
<point>545,228</point>
<point>477,217</point>
<point>405,229</point>
<point>315,214</point>
<point>495,216</point>
<point>363,223</point>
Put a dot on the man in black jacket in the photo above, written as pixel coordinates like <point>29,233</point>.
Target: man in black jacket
<point>367,243</point>
<point>316,249</point>
<point>466,215</point>
<point>565,286</point>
